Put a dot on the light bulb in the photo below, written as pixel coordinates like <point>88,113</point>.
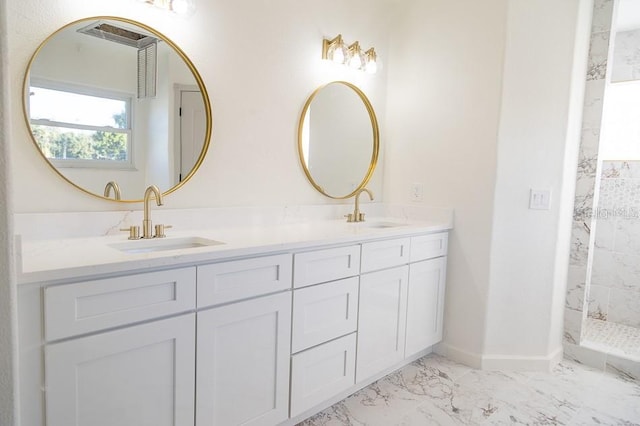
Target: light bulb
<point>356,59</point>
<point>337,55</point>
<point>371,65</point>
<point>335,50</point>
<point>183,7</point>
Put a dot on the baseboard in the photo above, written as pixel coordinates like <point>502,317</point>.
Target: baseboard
<point>469,359</point>
<point>522,363</point>
<point>500,362</point>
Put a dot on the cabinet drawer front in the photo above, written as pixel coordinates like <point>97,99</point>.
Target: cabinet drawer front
<point>428,246</point>
<point>322,372</point>
<point>385,254</point>
<point>90,306</point>
<point>320,266</point>
<point>324,312</point>
<point>241,279</point>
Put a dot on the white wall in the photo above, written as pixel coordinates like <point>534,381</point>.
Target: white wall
<point>483,106</point>
<point>445,78</point>
<point>620,125</point>
<point>259,61</point>
<point>522,312</point>
<point>8,346</point>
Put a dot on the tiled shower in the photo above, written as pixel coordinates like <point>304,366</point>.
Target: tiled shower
<point>602,310</point>
<point>614,291</point>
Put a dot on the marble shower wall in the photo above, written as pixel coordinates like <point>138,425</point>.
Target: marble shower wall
<point>614,293</point>
<point>583,220</point>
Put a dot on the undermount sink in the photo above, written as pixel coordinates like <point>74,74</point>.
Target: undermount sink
<point>381,225</point>
<point>162,244</point>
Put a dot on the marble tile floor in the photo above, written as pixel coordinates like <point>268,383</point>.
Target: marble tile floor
<point>437,391</point>
<point>611,338</point>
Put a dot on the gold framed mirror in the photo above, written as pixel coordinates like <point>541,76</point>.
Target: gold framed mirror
<point>338,139</point>
<point>114,106</point>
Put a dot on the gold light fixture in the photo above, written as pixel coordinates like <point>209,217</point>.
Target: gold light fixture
<point>370,61</point>
<point>180,7</point>
<point>337,51</point>
<point>334,50</point>
<point>356,60</point>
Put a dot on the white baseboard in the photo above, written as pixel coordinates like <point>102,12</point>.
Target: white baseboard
<point>470,359</point>
<point>501,362</point>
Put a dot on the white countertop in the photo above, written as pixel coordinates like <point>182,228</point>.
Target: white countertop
<point>58,260</point>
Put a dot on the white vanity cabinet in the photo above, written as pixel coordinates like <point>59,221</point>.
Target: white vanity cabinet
<point>401,307</point>
<point>243,362</point>
<point>425,304</point>
<point>268,338</point>
<point>425,298</point>
<point>141,374</point>
<point>325,316</point>
<point>244,347</point>
<point>136,376</point>
<point>382,321</point>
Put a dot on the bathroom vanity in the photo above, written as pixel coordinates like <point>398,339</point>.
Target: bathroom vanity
<point>255,326</point>
<point>247,325</point>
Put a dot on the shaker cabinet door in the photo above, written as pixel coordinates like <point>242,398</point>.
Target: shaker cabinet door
<point>381,321</point>
<point>425,304</point>
<point>243,362</point>
<point>137,376</point>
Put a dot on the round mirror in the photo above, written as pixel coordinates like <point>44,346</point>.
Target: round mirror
<point>338,139</point>
<point>114,106</point>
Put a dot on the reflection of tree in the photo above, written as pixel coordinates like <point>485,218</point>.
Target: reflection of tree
<point>58,143</point>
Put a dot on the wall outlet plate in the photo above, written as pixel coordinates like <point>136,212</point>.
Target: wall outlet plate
<point>540,199</point>
<point>416,192</point>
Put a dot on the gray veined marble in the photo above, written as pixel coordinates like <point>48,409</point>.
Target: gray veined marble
<point>597,66</point>
<point>436,391</point>
<point>576,302</point>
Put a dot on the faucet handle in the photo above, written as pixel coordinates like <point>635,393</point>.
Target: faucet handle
<point>160,230</point>
<point>360,217</point>
<point>349,217</point>
<point>134,232</point>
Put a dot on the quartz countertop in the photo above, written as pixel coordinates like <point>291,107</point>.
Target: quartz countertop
<point>59,260</point>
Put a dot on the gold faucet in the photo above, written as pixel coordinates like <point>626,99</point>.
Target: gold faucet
<point>147,226</point>
<point>356,216</point>
<point>116,190</point>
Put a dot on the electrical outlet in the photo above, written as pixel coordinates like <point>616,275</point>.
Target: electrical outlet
<point>416,192</point>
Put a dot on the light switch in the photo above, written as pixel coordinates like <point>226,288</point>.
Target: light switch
<point>540,199</point>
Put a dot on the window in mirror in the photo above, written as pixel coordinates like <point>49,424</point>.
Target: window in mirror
<point>92,130</point>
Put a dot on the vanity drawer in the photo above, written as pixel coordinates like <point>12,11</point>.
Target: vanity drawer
<point>322,372</point>
<point>321,266</point>
<point>324,312</point>
<point>90,306</point>
<point>428,246</point>
<point>385,254</point>
<point>241,279</point>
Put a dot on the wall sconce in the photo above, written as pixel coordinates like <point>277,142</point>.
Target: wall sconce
<point>337,51</point>
<point>334,50</point>
<point>180,7</point>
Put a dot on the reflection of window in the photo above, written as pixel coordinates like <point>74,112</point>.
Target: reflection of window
<point>80,127</point>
